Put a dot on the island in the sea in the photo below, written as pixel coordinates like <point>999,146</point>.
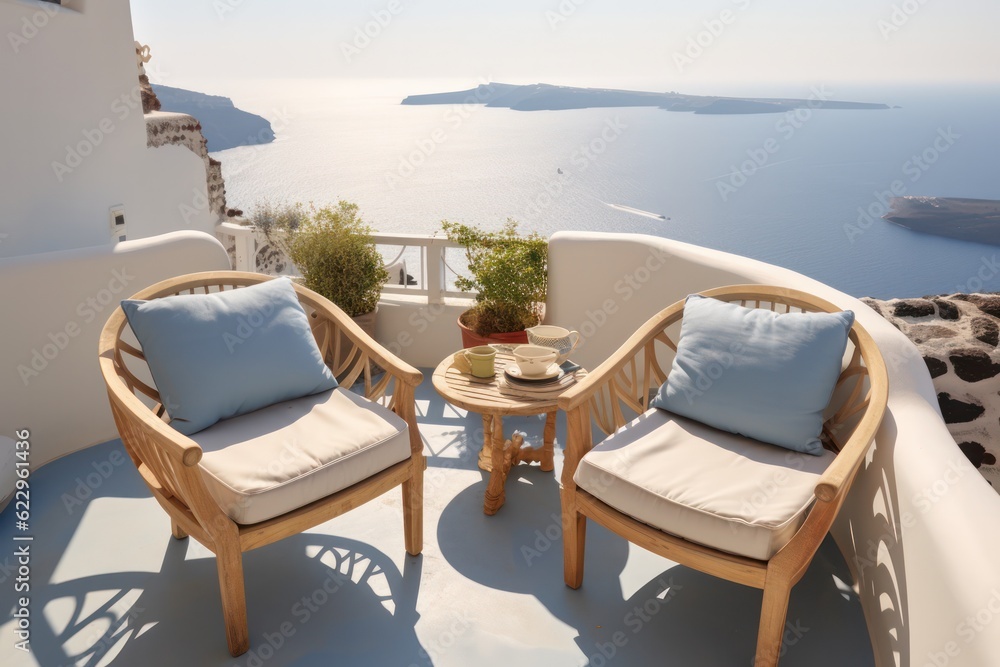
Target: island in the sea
<point>547,97</point>
<point>223,125</point>
<point>954,217</point>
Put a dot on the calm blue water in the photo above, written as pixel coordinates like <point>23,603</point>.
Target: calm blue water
<point>409,167</point>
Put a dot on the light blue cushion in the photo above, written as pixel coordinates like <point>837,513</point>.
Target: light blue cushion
<point>760,374</point>
<point>215,356</point>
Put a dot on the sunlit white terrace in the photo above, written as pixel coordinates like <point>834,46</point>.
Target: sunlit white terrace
<point>907,577</point>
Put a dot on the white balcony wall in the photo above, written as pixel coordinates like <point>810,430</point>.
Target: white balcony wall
<point>73,135</point>
<point>55,305</point>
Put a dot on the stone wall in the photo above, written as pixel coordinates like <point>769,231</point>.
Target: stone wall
<point>181,130</point>
<point>958,337</point>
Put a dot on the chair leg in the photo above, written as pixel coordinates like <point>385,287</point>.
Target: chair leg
<point>229,561</point>
<point>772,620</point>
<point>574,539</point>
<point>413,510</point>
<point>176,530</point>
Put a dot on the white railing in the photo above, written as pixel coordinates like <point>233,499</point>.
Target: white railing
<point>432,273</point>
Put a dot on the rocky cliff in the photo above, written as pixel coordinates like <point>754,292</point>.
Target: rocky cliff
<point>958,337</point>
<point>223,125</point>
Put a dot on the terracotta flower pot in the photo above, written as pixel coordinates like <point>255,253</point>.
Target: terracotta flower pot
<point>471,339</point>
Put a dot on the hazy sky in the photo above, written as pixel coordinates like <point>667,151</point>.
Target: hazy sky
<point>597,42</point>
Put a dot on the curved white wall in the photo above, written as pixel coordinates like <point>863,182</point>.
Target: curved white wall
<point>55,305</point>
<point>73,136</point>
<point>918,529</point>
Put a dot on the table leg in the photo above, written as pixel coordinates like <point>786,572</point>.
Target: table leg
<point>486,452</point>
<point>548,442</point>
<point>501,462</point>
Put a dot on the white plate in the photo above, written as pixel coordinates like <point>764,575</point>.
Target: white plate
<point>550,372</point>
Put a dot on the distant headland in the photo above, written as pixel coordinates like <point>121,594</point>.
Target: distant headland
<point>547,97</point>
<point>223,125</point>
<point>965,219</point>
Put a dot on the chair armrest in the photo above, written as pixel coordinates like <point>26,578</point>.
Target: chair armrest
<point>837,479</point>
<point>127,405</point>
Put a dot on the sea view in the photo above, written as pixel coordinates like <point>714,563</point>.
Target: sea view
<point>804,190</point>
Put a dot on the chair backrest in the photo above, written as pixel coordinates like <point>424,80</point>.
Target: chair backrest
<point>336,335</point>
<point>164,456</point>
<point>856,408</point>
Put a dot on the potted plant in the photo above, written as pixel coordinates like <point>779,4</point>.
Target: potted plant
<point>333,249</point>
<point>509,273</point>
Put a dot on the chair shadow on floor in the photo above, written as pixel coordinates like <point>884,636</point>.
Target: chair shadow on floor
<point>679,616</point>
<point>314,599</point>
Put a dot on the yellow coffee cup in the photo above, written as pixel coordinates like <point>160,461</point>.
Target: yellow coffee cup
<point>479,361</point>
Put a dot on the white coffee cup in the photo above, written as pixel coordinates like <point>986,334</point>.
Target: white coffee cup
<point>547,335</point>
<point>534,359</point>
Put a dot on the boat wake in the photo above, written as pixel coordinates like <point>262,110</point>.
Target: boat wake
<point>635,211</point>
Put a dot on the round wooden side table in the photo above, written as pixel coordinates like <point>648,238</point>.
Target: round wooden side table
<point>483,396</point>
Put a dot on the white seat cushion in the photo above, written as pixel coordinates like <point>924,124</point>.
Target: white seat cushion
<point>277,459</point>
<point>705,485</point>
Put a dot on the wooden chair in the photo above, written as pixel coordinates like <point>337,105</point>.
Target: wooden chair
<point>623,384</point>
<point>169,461</point>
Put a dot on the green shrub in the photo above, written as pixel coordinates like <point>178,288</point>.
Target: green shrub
<point>334,250</point>
<point>509,274</point>
<point>274,219</point>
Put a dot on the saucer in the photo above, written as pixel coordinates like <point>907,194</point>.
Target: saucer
<point>551,373</point>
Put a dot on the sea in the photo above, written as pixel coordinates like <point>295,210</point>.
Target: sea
<point>805,190</point>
